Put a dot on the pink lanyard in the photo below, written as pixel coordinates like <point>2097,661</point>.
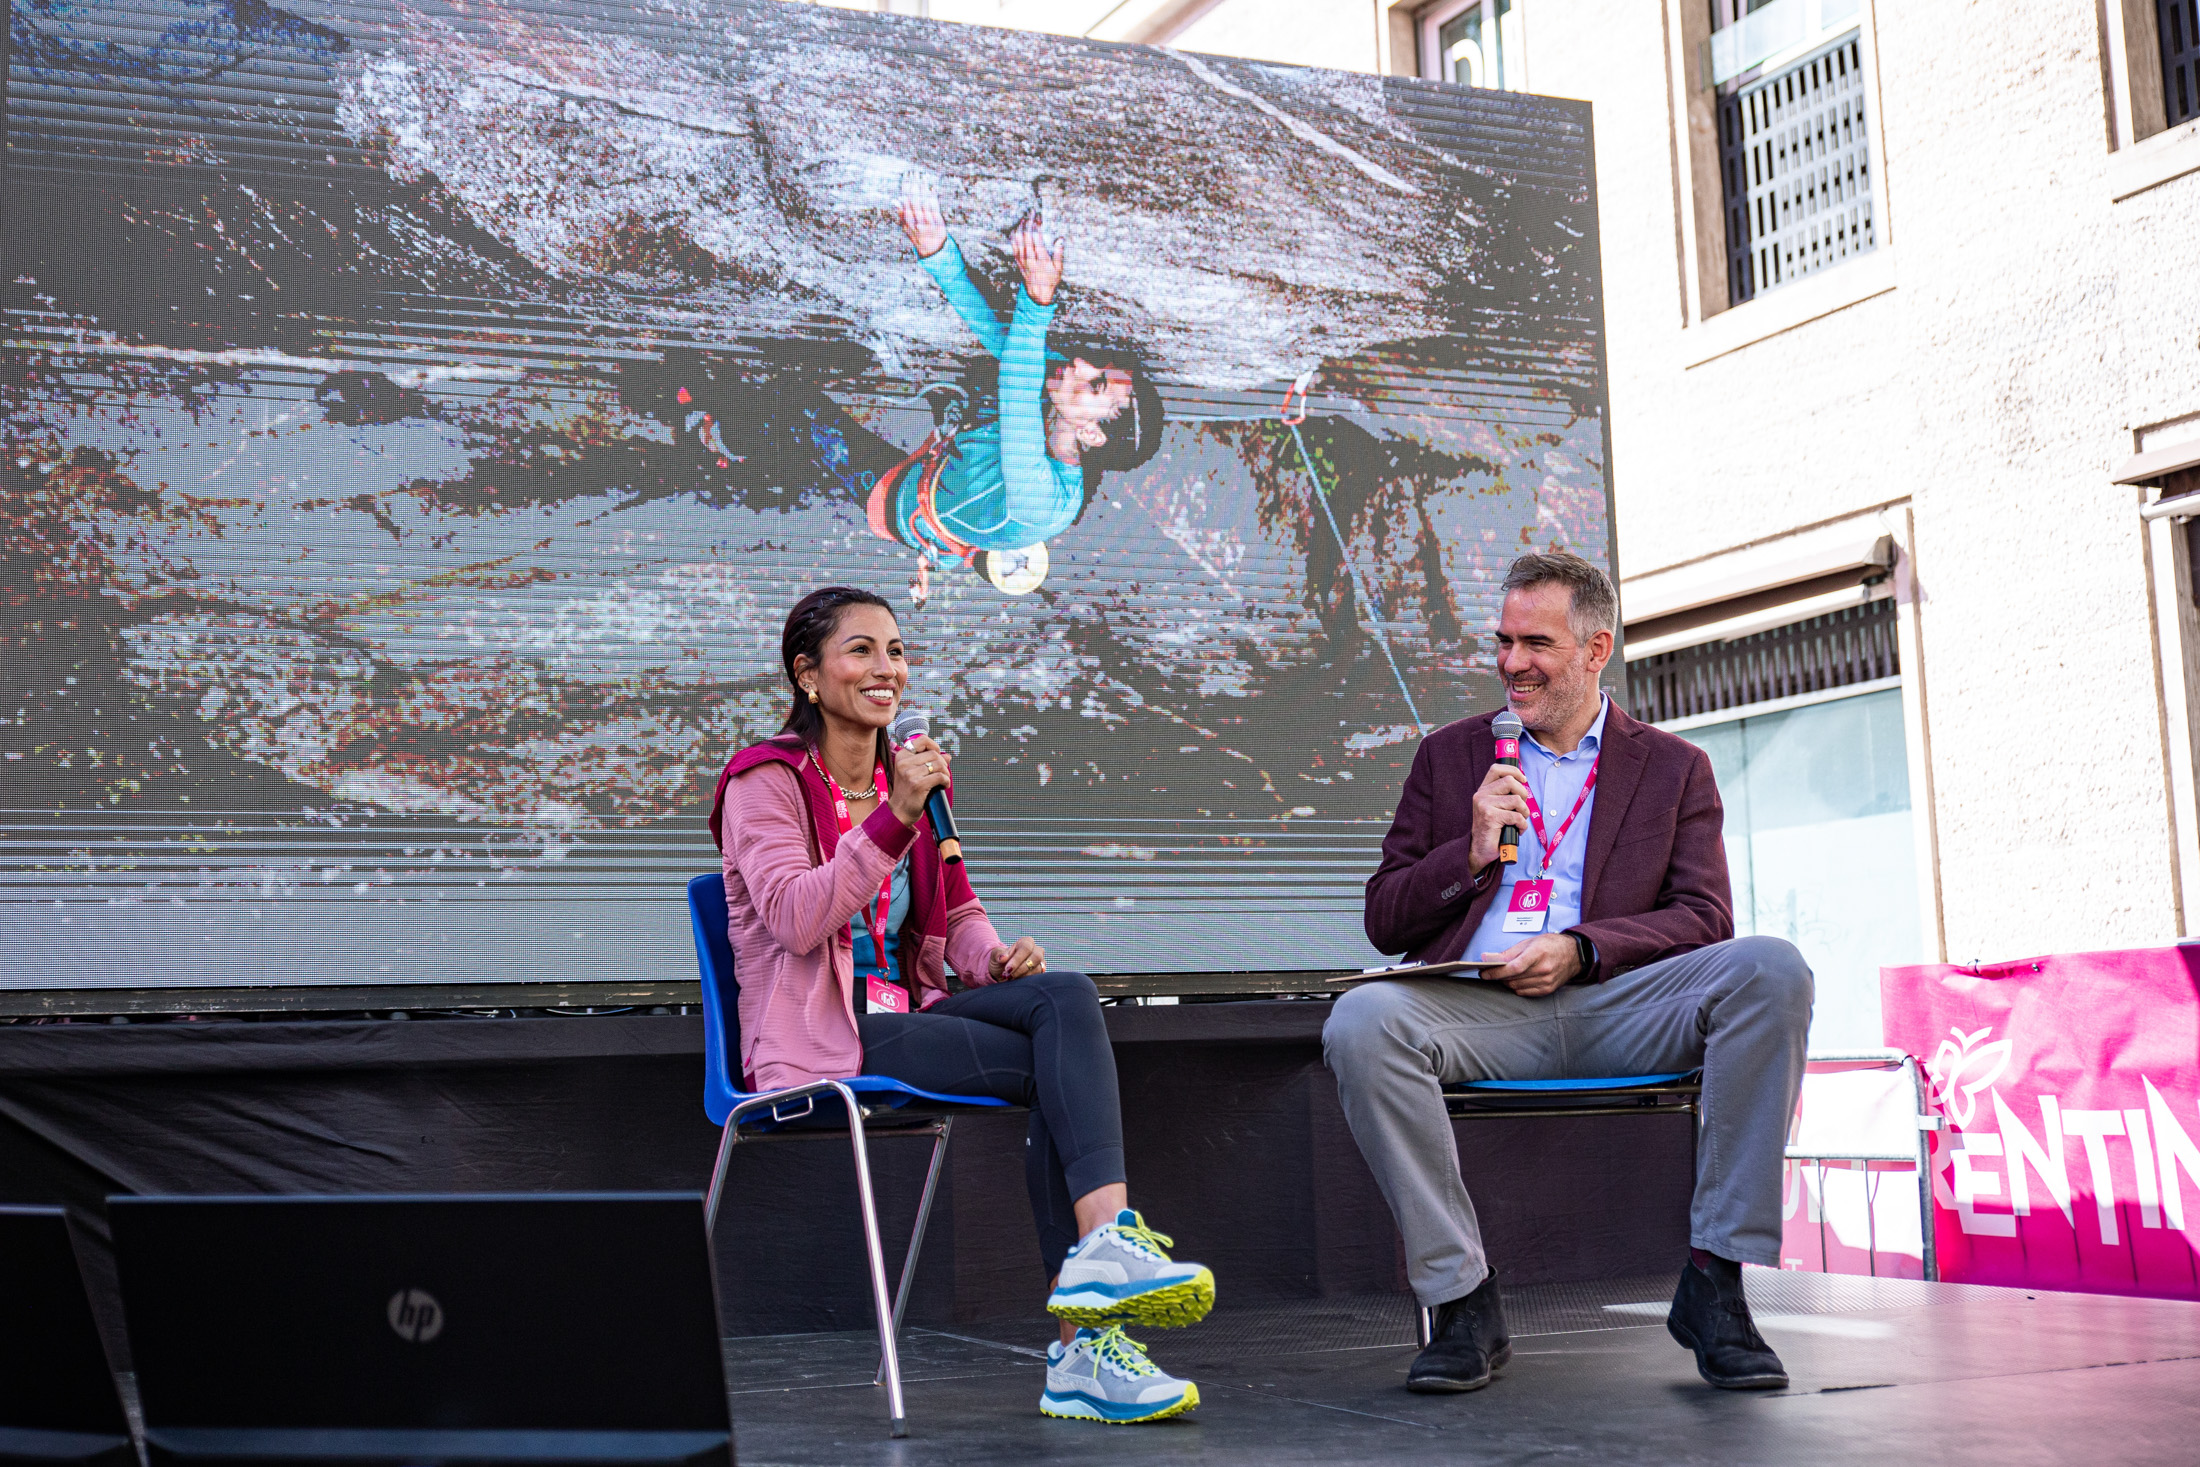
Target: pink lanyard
<point>1549,843</point>
<point>875,918</point>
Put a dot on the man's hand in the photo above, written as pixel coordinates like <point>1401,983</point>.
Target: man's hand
<point>1536,966</point>
<point>1039,263</point>
<point>920,214</point>
<point>1501,801</point>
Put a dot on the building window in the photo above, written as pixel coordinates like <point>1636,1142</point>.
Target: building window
<point>2178,22</point>
<point>1795,691</point>
<point>1818,845</point>
<point>1820,655</point>
<point>1796,170</point>
<point>1475,43</point>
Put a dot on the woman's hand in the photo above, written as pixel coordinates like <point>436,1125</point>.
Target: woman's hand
<point>920,214</point>
<point>919,769</point>
<point>1040,265</point>
<point>1020,961</point>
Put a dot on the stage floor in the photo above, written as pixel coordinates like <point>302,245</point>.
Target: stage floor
<point>1883,1369</point>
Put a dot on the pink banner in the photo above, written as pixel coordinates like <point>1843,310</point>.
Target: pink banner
<point>2069,1087</point>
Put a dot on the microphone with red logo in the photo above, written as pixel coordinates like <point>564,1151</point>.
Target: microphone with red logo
<point>1506,729</point>
<point>910,724</point>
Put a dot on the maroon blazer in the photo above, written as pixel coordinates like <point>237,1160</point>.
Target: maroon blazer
<point>1654,883</point>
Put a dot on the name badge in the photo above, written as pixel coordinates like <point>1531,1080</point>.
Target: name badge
<point>1530,907</point>
<point>882,997</point>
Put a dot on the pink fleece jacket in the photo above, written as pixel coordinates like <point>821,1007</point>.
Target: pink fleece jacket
<point>787,911</point>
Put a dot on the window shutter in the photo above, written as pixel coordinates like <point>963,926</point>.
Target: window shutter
<point>1799,199</point>
<point>2179,24</point>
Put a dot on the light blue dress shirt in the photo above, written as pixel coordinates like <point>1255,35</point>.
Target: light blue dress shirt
<point>1556,781</point>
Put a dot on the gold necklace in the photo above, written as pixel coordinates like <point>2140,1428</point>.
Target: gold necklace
<point>839,793</point>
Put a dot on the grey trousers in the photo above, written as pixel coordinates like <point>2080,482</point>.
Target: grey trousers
<point>1738,1009</point>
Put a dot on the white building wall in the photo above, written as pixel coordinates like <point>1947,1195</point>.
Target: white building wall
<point>1341,36</point>
<point>1993,388</point>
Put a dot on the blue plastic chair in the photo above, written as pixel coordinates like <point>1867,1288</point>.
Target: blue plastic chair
<point>1678,1093</point>
<point>1625,1095</point>
<point>794,1113</point>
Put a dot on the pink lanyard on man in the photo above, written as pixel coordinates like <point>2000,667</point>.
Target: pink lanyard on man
<point>875,917</point>
<point>1548,853</point>
<point>1530,907</point>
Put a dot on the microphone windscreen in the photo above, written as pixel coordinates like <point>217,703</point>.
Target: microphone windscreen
<point>1505,725</point>
<point>908,724</point>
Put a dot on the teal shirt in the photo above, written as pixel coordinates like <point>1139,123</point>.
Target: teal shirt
<point>859,929</point>
<point>1004,492</point>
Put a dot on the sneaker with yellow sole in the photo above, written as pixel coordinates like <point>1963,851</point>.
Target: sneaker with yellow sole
<point>1121,1273</point>
<point>1104,1375</point>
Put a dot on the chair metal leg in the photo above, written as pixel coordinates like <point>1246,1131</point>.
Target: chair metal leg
<point>770,1103</point>
<point>726,1143</point>
<point>945,1125</point>
<point>1871,1218</point>
<point>1930,1252</point>
<point>1821,1165</point>
<point>877,1260</point>
<point>1424,1325</point>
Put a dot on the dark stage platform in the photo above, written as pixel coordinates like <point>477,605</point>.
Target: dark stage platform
<point>1236,1148</point>
<point>1884,1371</point>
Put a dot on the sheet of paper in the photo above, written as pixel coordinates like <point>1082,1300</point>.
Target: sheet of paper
<point>1461,968</point>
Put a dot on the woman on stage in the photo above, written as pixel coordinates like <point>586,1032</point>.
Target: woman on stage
<point>844,920</point>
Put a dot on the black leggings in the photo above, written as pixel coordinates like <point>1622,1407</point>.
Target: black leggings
<point>1037,1041</point>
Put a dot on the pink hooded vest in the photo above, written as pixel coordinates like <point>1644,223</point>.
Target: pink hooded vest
<point>792,884</point>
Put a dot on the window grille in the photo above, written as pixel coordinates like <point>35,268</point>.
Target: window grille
<point>2179,24</point>
<point>1839,650</point>
<point>1796,171</point>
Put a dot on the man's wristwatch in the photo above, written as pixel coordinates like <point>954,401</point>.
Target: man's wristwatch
<point>1587,951</point>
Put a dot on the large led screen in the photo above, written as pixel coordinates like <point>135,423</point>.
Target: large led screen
<point>420,417</point>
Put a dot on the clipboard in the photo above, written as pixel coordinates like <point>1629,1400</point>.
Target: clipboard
<point>1458,968</point>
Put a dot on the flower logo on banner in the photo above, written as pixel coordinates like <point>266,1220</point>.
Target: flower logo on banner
<point>1956,1063</point>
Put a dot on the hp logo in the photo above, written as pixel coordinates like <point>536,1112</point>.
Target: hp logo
<point>415,1315</point>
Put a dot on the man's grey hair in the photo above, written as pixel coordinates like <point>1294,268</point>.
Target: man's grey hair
<point>1595,605</point>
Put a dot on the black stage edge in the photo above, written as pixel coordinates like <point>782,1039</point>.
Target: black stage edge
<point>299,1000</point>
<point>1237,1148</point>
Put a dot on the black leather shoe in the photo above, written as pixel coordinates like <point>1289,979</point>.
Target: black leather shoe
<point>1711,1317</point>
<point>1469,1344</point>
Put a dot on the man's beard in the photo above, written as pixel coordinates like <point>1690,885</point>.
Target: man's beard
<point>1559,702</point>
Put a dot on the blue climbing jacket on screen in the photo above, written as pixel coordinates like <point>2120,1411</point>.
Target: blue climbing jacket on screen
<point>1004,492</point>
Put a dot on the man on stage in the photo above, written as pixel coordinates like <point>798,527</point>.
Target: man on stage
<point>1615,928</point>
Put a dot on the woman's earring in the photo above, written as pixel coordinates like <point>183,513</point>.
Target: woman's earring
<point>812,692</point>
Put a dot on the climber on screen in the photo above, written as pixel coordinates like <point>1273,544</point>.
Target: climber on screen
<point>998,478</point>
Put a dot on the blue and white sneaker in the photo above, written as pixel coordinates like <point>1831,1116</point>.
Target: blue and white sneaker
<point>1104,1375</point>
<point>1119,1274</point>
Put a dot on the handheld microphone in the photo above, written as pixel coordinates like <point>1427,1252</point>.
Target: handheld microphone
<point>910,724</point>
<point>1506,728</point>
